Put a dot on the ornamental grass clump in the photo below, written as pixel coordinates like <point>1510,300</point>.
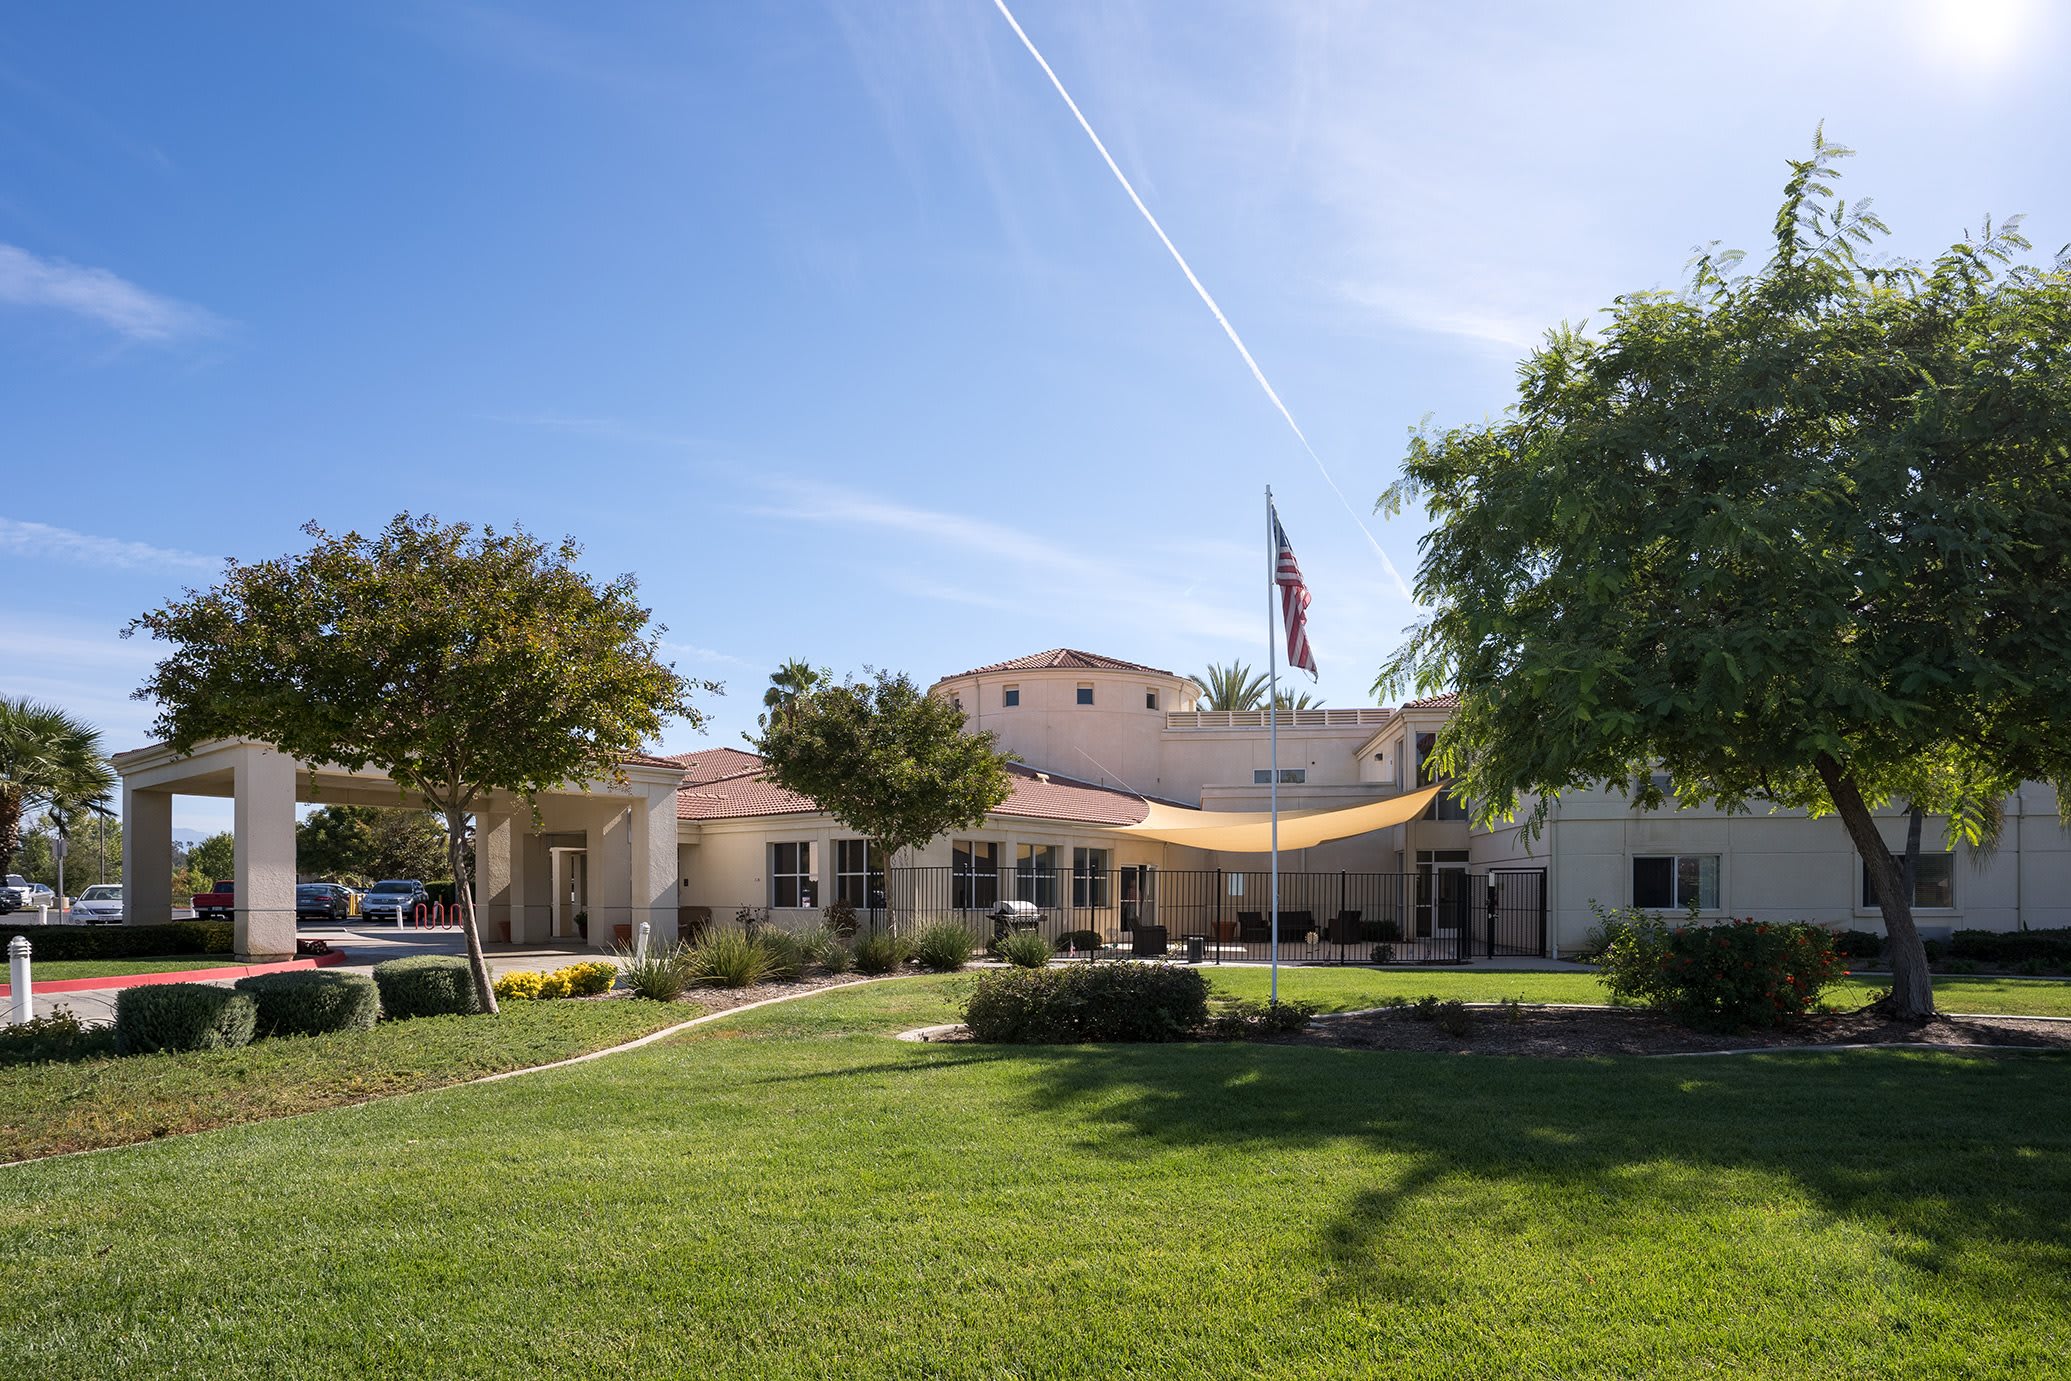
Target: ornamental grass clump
<point>1738,973</point>
<point>881,953</point>
<point>660,975</point>
<point>943,947</point>
<point>729,959</point>
<point>785,954</point>
<point>1026,950</point>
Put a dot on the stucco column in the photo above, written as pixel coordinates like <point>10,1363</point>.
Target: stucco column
<point>532,892</point>
<point>147,856</point>
<point>496,866</point>
<point>264,783</point>
<point>653,829</point>
<point>609,867</point>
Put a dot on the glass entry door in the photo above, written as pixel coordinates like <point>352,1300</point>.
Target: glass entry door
<point>1442,891</point>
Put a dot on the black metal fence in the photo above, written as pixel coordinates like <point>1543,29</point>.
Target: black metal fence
<point>1440,915</point>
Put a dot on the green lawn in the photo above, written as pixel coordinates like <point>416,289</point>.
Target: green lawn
<point>1345,990</point>
<point>60,970</point>
<point>790,1193</point>
<point>113,1101</point>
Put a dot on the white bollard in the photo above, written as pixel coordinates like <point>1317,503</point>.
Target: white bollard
<point>640,944</point>
<point>18,979</point>
<point>42,915</point>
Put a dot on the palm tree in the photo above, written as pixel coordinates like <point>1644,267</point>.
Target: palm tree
<point>46,758</point>
<point>1232,687</point>
<point>1293,700</point>
<point>794,678</point>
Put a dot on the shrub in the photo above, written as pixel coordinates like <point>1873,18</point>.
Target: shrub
<point>2008,947</point>
<point>730,959</point>
<point>660,975</point>
<point>1088,1002</point>
<point>1026,950</point>
<point>876,954</point>
<point>590,977</point>
<point>124,941</point>
<point>1740,973</point>
<point>1083,941</point>
<point>1425,1008</point>
<point>310,1002</point>
<point>1453,1018</point>
<point>944,946</point>
<point>427,985</point>
<point>183,1016</point>
<point>521,986</point>
<point>1382,954</point>
<point>786,953</point>
<point>1858,944</point>
<point>1240,1021</point>
<point>58,1036</point>
<point>841,920</point>
<point>1387,932</point>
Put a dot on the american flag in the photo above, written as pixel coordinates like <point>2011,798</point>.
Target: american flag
<point>1294,600</point>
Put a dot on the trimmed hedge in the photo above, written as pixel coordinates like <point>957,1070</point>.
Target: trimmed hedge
<point>1858,944</point>
<point>309,1002</point>
<point>2012,946</point>
<point>1069,1003</point>
<point>427,985</point>
<point>183,1016</point>
<point>124,941</point>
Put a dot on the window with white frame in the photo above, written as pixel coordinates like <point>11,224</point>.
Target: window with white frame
<point>1263,776</point>
<point>974,874</point>
<point>1089,874</point>
<point>1010,696</point>
<point>1934,881</point>
<point>1085,696</point>
<point>1035,874</point>
<point>791,875</point>
<point>1676,881</point>
<point>858,873</point>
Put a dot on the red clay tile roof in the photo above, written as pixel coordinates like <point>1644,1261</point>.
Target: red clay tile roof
<point>1061,658</point>
<point>1449,701</point>
<point>648,760</point>
<point>710,764</point>
<point>1036,795</point>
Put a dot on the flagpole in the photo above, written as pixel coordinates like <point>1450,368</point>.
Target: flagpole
<point>1273,741</point>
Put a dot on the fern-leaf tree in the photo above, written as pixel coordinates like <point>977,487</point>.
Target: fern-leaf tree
<point>1799,535</point>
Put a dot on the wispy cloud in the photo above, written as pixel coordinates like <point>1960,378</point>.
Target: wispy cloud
<point>100,296</point>
<point>41,539</point>
<point>694,653</point>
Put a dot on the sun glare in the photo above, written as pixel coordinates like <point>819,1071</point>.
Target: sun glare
<point>1978,35</point>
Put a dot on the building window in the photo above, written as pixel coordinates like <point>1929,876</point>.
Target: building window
<point>1035,874</point>
<point>1676,881</point>
<point>1150,699</point>
<point>791,875</point>
<point>1089,872</point>
<point>858,873</point>
<point>1263,776</point>
<point>1010,696</point>
<point>1445,807</point>
<point>1085,695</point>
<point>1934,881</point>
<point>974,874</point>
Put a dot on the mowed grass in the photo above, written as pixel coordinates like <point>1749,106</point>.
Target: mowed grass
<point>791,1193</point>
<point>62,970</point>
<point>116,1100</point>
<point>1351,989</point>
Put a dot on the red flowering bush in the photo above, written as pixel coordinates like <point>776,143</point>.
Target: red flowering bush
<point>1735,973</point>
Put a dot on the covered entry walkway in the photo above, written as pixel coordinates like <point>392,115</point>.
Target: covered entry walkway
<point>602,852</point>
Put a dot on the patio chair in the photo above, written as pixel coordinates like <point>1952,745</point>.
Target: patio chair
<point>1344,928</point>
<point>1252,928</point>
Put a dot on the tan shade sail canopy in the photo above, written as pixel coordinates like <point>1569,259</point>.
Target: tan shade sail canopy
<point>1250,832</point>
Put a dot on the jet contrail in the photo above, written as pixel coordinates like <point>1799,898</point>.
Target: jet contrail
<point>1207,299</point>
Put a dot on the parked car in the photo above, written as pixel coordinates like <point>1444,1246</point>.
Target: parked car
<point>322,901</point>
<point>27,895</point>
<point>392,900</point>
<point>218,903</point>
<point>100,904</point>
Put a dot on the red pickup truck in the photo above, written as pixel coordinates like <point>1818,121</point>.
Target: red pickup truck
<point>216,904</point>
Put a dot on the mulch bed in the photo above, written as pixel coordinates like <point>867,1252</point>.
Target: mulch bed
<point>1571,1032</point>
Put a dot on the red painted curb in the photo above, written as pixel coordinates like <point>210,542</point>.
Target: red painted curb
<point>141,980</point>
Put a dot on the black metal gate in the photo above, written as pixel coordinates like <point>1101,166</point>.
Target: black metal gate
<point>1513,907</point>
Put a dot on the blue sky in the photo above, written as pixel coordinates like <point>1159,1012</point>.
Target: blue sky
<point>828,321</point>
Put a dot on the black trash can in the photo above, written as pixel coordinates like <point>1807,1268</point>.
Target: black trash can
<point>1197,948</point>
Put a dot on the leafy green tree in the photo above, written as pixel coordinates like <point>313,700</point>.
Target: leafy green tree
<point>1800,535</point>
<point>366,843</point>
<point>214,858</point>
<point>886,759</point>
<point>1232,686</point>
<point>457,661</point>
<point>47,758</point>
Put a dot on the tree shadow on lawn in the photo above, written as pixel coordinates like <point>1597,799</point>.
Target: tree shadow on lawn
<point>1937,1153</point>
